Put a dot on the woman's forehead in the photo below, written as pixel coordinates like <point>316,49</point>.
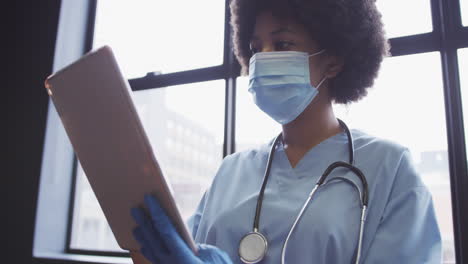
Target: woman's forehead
<point>266,23</point>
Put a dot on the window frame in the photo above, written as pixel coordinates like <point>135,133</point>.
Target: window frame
<point>448,35</point>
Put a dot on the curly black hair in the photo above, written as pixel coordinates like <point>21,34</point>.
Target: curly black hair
<point>349,29</point>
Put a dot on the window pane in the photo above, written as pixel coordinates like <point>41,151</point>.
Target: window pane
<point>187,132</point>
<point>463,67</point>
<point>464,11</point>
<point>400,19</point>
<point>406,105</point>
<point>253,127</point>
<point>156,35</point>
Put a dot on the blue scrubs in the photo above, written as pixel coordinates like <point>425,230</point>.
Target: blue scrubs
<point>401,225</point>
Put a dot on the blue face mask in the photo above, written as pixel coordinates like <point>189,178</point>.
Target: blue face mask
<point>280,83</point>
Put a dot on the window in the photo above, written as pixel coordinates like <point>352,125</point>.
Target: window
<point>185,84</point>
<point>400,20</point>
<point>187,134</point>
<point>463,68</point>
<point>139,34</point>
<point>144,43</point>
<point>406,106</point>
<point>464,11</point>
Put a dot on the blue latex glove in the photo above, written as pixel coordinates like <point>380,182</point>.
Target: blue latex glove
<point>160,242</point>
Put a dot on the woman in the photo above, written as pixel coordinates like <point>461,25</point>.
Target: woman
<point>302,55</point>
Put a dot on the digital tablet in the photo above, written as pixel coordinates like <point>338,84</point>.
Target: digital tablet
<point>94,102</point>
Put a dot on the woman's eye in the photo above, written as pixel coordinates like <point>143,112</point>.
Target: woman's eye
<point>283,45</point>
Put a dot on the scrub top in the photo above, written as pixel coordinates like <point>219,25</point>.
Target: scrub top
<point>401,226</point>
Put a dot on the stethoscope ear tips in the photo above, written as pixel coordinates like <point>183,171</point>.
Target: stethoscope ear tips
<point>252,247</point>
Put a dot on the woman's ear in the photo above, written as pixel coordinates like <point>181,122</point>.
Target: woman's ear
<point>334,66</point>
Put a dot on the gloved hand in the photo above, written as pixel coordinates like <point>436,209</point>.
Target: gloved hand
<point>161,244</point>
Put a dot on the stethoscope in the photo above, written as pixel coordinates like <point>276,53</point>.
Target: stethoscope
<point>253,246</point>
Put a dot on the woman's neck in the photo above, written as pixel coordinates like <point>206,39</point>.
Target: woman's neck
<point>314,125</point>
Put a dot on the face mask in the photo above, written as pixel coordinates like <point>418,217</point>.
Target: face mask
<point>280,83</point>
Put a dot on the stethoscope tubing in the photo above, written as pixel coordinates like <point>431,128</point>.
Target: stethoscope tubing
<point>317,185</point>
<point>285,244</point>
<point>265,180</point>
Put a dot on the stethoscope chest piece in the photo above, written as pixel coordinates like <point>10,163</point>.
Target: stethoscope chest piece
<point>253,247</point>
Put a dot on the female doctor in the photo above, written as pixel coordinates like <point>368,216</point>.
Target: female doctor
<point>371,207</point>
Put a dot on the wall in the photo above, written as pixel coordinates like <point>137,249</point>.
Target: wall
<point>30,42</point>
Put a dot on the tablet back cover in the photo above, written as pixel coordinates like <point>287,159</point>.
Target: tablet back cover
<point>94,103</point>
